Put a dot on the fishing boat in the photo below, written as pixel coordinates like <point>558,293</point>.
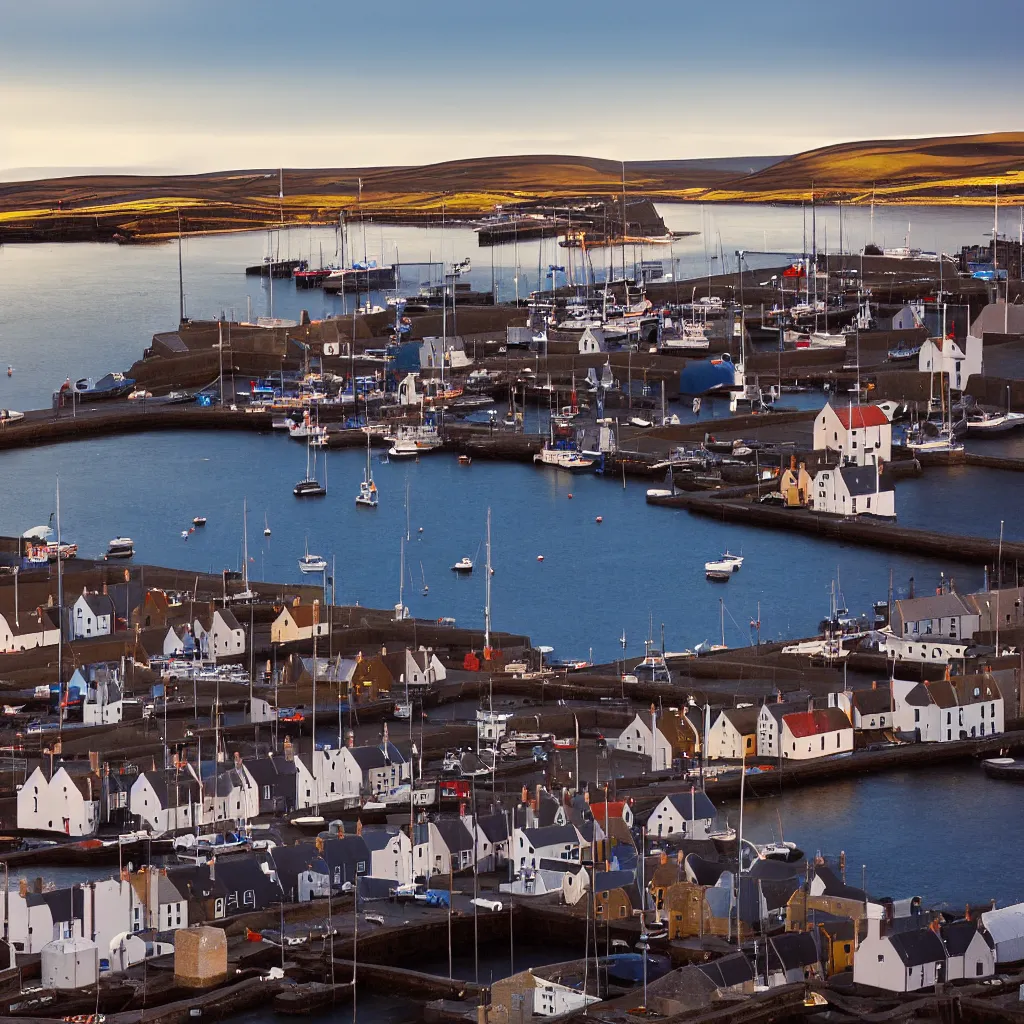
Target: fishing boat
<point>463,565</point>
<point>198,849</point>
<point>266,526</point>
<point>984,424</point>
<point>367,496</point>
<point>120,547</point>
<point>199,520</point>
<point>312,563</point>
<point>85,389</point>
<point>465,460</point>
<point>1008,768</point>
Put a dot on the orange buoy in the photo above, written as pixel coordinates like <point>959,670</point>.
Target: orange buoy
<point>540,558</point>
<point>599,519</point>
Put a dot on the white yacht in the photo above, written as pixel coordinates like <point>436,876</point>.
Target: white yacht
<point>120,547</point>
<point>463,565</point>
<point>367,496</point>
<point>312,563</point>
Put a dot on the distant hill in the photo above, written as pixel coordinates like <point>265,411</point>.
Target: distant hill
<point>956,169</point>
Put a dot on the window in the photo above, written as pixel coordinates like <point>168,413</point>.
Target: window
<point>978,970</point>
<point>917,714</point>
<point>846,947</point>
<point>881,958</point>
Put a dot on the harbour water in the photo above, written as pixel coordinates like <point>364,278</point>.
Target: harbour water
<point>85,309</point>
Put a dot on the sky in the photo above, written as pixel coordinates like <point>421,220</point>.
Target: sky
<point>197,85</point>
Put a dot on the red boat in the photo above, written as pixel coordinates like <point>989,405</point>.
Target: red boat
<point>311,278</point>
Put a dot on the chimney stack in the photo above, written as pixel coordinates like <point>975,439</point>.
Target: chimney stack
<point>289,749</point>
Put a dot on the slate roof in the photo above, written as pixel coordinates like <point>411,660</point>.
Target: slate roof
<point>873,702</point>
<point>956,937</point>
<point>743,720</point>
<point>934,606</point>
<point>605,881</point>
<point>835,886</point>
<point>65,904</point>
<point>917,947</point>
<point>168,785</point>
<point>99,604</point>
<point>552,835</point>
<point>494,827</point>
<point>692,807</point>
<point>346,853</point>
<point>864,480</point>
<point>816,723</point>
<point>791,950</point>
<point>779,709</point>
<point>266,771</point>
<point>455,834</point>
<point>290,861</point>
<point>729,970</point>
<point>369,758</point>
<point>378,838</point>
<point>703,871</point>
<point>228,618</point>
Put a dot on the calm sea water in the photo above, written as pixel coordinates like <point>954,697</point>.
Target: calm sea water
<point>87,309</point>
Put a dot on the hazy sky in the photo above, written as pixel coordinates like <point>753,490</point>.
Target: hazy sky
<point>191,85</point>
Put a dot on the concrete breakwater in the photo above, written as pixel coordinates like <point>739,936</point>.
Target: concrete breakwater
<point>877,533</point>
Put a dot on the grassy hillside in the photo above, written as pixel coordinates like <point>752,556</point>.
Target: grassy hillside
<point>961,169</point>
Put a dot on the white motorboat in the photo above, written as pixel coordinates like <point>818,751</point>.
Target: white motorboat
<point>120,547</point>
<point>564,457</point>
<point>266,527</point>
<point>736,561</point>
<point>409,442</point>
<point>463,565</point>
<point>945,441</point>
<point>199,520</point>
<point>312,563</point>
<point>403,710</point>
<point>981,424</point>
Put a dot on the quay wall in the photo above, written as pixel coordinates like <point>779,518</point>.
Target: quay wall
<point>972,550</point>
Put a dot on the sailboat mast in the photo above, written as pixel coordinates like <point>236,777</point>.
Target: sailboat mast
<point>487,590</point>
<point>60,614</point>
<point>245,548</point>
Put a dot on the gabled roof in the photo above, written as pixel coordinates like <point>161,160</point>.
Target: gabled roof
<point>872,702</point>
<point>494,827</point>
<point>729,970</point>
<point>942,693</point>
<point>791,950</point>
<point>859,416</point>
<point>378,838</point>
<point>369,758</point>
<point>917,947</point>
<point>934,606</point>
<point>301,614</point>
<point>611,809</point>
<point>780,708</point>
<point>957,937</point>
<point>173,788</point>
<point>552,835</point>
<point>98,604</point>
<point>863,480</point>
<point>605,881</point>
<point>266,771</point>
<point>835,886</point>
<point>692,806</point>
<point>743,720</point>
<point>816,723</point>
<point>228,618</point>
<point>455,834</point>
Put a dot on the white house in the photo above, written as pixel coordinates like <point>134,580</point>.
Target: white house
<point>92,615</point>
<point>36,627</point>
<point>60,802</point>
<point>970,952</point>
<point>442,846</point>
<point>167,801</point>
<point>769,726</point>
<point>817,733</point>
<point>734,734</point>
<point>901,961</point>
<point>946,356</point>
<point>389,854</point>
<point>158,904</point>
<point>945,616</point>
<point>689,815</point>
<point>853,490</point>
<point>231,795</point>
<point>559,843</point>
<point>298,622</point>
<point>420,667</point>
<point>226,638</point>
<point>645,738</point>
<point>945,710</point>
<point>867,709</point>
<point>1005,927</point>
<point>861,434</point>
<point>929,649</point>
<point>491,832</point>
<point>372,770</point>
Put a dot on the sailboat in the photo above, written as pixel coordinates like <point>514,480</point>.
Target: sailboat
<point>312,563</point>
<point>401,612</point>
<point>245,594</point>
<point>423,578</point>
<point>310,487</point>
<point>367,495</point>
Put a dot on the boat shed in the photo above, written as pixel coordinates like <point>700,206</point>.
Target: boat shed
<point>1005,927</point>
<point>69,963</point>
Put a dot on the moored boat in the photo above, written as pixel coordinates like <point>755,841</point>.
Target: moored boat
<point>120,547</point>
<point>1008,768</point>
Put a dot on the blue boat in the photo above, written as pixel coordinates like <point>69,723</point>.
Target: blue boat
<point>705,376</point>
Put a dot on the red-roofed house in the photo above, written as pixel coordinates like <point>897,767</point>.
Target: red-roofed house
<point>613,809</point>
<point>861,434</point>
<point>818,733</point>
